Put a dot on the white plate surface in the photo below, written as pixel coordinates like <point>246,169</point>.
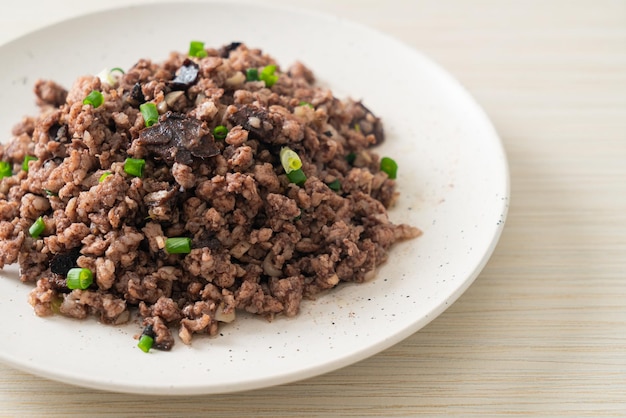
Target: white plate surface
<point>453,179</point>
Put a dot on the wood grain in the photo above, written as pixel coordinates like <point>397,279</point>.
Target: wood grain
<point>542,331</point>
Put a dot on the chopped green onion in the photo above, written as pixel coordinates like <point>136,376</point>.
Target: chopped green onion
<point>289,159</point>
<point>79,278</point>
<point>5,169</point>
<point>267,75</point>
<point>37,228</point>
<point>351,157</point>
<point>196,49</point>
<point>27,159</point>
<point>220,132</point>
<point>104,176</point>
<point>95,98</point>
<point>292,164</point>
<point>179,245</point>
<point>334,185</point>
<point>134,166</point>
<point>357,127</point>
<point>252,74</point>
<point>389,166</point>
<point>150,113</point>
<point>297,176</point>
<point>145,343</point>
<point>50,192</point>
<point>303,103</point>
<point>107,76</point>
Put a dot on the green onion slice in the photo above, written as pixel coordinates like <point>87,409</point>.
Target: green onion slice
<point>95,98</point>
<point>267,75</point>
<point>289,159</point>
<point>303,103</point>
<point>27,159</point>
<point>196,49</point>
<point>178,245</point>
<point>145,343</point>
<point>150,113</point>
<point>5,169</point>
<point>107,76</point>
<point>389,166</point>
<point>335,185</point>
<point>351,157</point>
<point>79,278</point>
<point>297,177</point>
<point>37,228</point>
<point>104,176</point>
<point>50,193</point>
<point>220,132</point>
<point>134,166</point>
<point>252,74</point>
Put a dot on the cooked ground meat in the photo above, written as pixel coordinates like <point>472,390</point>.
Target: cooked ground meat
<point>260,240</point>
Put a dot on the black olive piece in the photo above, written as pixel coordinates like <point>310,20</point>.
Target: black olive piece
<point>58,283</point>
<point>186,75</point>
<point>227,49</point>
<point>244,116</point>
<point>57,133</point>
<point>178,138</point>
<point>149,331</point>
<point>163,346</point>
<point>136,96</point>
<point>208,242</point>
<point>371,125</point>
<point>62,263</point>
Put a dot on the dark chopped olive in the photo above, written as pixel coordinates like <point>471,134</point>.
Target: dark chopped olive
<point>328,133</point>
<point>186,75</point>
<point>258,122</point>
<point>211,243</point>
<point>149,331</point>
<point>227,49</point>
<point>368,123</point>
<point>178,138</point>
<point>58,133</point>
<point>136,96</point>
<point>62,263</point>
<point>112,125</point>
<point>58,283</point>
<point>147,340</point>
<point>164,346</point>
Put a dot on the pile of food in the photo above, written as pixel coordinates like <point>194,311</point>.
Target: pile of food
<point>187,190</point>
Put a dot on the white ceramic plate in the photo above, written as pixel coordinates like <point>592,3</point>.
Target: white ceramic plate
<point>453,180</point>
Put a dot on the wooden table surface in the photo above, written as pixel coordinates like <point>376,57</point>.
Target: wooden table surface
<point>542,331</point>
